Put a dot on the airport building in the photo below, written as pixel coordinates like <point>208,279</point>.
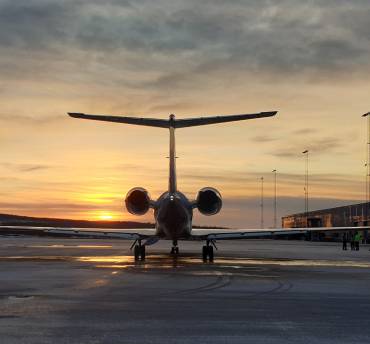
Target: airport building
<point>353,215</point>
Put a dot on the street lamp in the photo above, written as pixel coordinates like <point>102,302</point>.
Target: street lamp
<point>275,197</point>
<point>262,203</point>
<point>306,187</point>
<point>366,183</point>
<point>367,165</point>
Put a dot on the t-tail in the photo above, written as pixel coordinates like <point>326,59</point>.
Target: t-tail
<point>172,181</point>
<point>172,123</point>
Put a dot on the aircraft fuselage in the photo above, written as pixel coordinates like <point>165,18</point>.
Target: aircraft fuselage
<point>173,215</point>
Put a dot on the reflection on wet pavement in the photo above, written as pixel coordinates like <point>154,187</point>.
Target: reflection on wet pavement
<point>69,246</point>
<point>168,262</point>
<point>163,261</point>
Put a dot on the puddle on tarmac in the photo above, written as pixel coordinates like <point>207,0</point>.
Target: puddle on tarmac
<point>241,262</point>
<point>19,298</point>
<point>163,261</point>
<point>169,262</point>
<point>69,246</point>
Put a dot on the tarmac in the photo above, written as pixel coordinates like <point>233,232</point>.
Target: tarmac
<point>257,291</point>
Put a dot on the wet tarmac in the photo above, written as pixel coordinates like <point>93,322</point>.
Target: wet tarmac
<point>256,291</point>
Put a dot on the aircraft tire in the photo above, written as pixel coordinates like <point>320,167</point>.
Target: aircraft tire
<point>210,253</point>
<point>142,252</point>
<point>205,253</point>
<point>137,252</point>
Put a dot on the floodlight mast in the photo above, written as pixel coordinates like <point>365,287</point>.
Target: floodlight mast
<point>306,187</point>
<point>367,165</point>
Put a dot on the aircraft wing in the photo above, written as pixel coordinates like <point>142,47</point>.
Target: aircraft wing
<point>96,233</point>
<point>205,234</point>
<point>191,122</point>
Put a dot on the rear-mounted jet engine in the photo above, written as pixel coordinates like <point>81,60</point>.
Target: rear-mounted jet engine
<point>209,201</point>
<point>137,201</point>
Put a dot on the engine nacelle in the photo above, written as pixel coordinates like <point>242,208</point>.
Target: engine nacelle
<point>137,201</point>
<point>209,201</point>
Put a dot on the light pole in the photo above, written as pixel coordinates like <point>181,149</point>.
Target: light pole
<point>262,202</point>
<point>367,164</point>
<point>275,197</point>
<point>366,183</point>
<point>306,187</point>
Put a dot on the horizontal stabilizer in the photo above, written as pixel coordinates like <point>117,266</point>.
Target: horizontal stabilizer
<point>172,122</point>
<point>192,122</point>
<point>150,122</point>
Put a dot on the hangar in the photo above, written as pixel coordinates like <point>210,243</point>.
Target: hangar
<point>350,215</point>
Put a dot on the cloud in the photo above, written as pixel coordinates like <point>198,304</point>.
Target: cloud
<point>55,209</point>
<point>263,139</point>
<point>32,24</point>
<point>24,167</point>
<point>318,146</point>
<point>49,206</point>
<point>188,38</point>
<point>305,131</point>
<point>41,119</point>
<point>32,168</point>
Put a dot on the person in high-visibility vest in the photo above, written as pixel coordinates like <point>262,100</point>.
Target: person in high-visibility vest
<point>358,238</point>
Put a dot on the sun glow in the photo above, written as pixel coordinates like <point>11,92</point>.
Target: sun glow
<point>105,217</point>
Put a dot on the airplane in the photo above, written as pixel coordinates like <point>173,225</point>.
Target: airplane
<point>173,211</point>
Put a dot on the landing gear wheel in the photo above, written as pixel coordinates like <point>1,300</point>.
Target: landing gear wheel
<point>142,252</point>
<point>210,253</point>
<point>205,253</point>
<point>137,252</point>
<point>174,250</point>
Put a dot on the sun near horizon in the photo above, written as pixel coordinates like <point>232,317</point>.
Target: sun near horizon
<point>103,216</point>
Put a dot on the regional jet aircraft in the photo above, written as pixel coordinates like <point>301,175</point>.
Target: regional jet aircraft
<point>173,211</point>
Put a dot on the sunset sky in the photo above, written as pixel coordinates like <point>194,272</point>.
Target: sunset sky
<point>309,60</point>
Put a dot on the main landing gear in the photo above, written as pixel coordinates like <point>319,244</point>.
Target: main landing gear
<point>139,251</point>
<point>174,249</point>
<point>207,252</point>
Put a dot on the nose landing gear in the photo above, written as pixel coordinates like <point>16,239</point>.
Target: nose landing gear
<point>174,249</point>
